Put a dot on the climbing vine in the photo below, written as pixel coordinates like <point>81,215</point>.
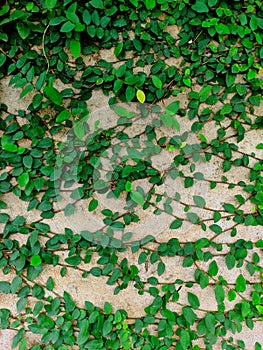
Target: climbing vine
<point>137,176</point>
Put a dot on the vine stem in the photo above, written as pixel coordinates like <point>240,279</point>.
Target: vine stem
<point>43,49</point>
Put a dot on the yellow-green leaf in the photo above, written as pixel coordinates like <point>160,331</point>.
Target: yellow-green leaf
<point>140,96</point>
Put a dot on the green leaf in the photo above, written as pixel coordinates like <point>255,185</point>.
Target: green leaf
<point>63,116</point>
<point>117,226</point>
<point>10,147</point>
<point>150,4</point>
<point>157,82</point>
<point>118,49</point>
<point>210,322</point>
<point>28,161</point>
<point>16,284</point>
<point>230,208</point>
<point>23,29</point>
<point>73,260</point>
<point>21,304</point>
<point>100,185</point>
<point>134,2</point>
<point>122,112</point>
<point>130,93</point>
<point>243,19</point>
<point>75,48</point>
<point>199,201</point>
<point>67,27</point>
<point>107,308</point>
<point>4,218</point>
<point>212,3</point>
<point>216,228</point>
<point>160,268</point>
<point>189,315</point>
<point>193,300</point>
<point>106,328</point>
<point>18,337</point>
<point>230,261</point>
<point>128,186</point>
<point>240,283</point>
<point>222,29</point>
<point>53,94</point>
<point>185,339</point>
<point>50,4</point>
<point>83,335</point>
<point>79,130</point>
<point>227,108</point>
<point>231,295</point>
<point>253,22</point>
<point>127,236</point>
<point>193,218</point>
<point>173,107</point>
<point>23,179</point>
<point>5,287</point>
<point>50,284</point>
<point>2,59</point>
<point>255,100</point>
<point>200,7</point>
<point>35,260</point>
<point>41,80</point>
<point>176,224</point>
<point>213,269</point>
<point>4,318</point>
<point>69,303</point>
<point>137,197</point>
<point>140,96</point>
<point>93,204</point>
<point>98,4</point>
<point>230,79</point>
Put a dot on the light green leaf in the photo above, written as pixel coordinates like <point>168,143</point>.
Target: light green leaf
<point>23,179</point>
<point>137,197</point>
<point>173,107</point>
<point>193,217</point>
<point>75,48</point>
<point>150,4</point>
<point>79,130</point>
<point>62,116</point>
<point>157,82</point>
<point>128,186</point>
<point>199,201</point>
<point>50,4</point>
<point>35,260</point>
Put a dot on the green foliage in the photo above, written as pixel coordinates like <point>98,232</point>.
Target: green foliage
<point>215,61</point>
